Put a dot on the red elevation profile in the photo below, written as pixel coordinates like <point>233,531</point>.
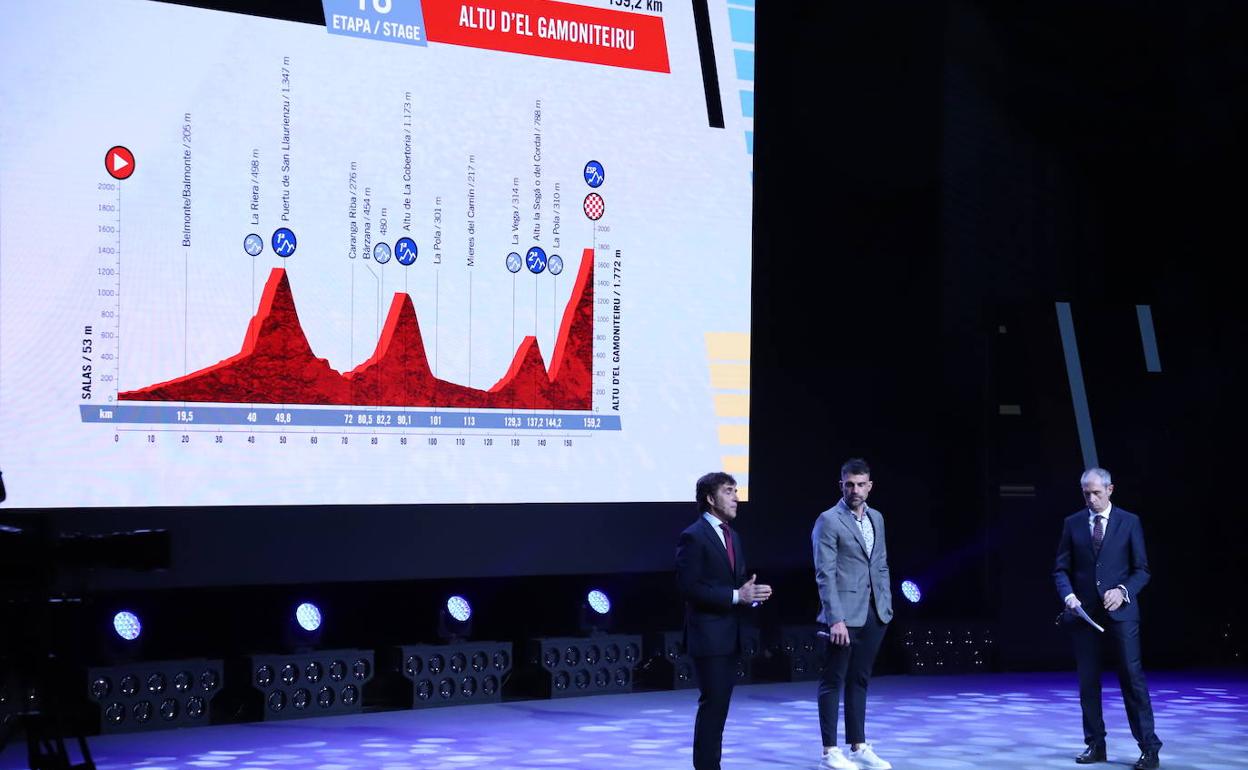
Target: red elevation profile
<point>277,366</point>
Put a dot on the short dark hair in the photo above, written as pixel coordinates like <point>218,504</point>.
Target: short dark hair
<point>708,485</point>
<point>855,466</point>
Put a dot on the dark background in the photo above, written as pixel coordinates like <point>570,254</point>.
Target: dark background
<point>931,179</point>
<point>978,162</point>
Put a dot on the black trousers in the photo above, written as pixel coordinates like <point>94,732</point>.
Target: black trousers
<point>849,668</point>
<point>1123,636</point>
<point>716,676</point>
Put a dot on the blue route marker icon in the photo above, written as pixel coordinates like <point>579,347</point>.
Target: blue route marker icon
<point>284,242</point>
<point>514,263</point>
<point>535,258</point>
<point>381,252</point>
<point>555,265</point>
<point>595,174</point>
<point>405,251</point>
<point>253,244</point>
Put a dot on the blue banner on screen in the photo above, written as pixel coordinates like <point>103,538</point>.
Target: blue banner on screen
<point>396,21</point>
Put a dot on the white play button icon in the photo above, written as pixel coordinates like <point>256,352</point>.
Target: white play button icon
<point>119,162</point>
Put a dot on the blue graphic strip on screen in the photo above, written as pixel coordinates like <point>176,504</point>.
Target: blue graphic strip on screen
<point>741,23</point>
<point>395,21</point>
<point>745,64</point>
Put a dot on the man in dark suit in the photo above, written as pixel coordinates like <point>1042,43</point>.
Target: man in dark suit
<point>1101,567</point>
<point>710,571</point>
<point>855,605</point>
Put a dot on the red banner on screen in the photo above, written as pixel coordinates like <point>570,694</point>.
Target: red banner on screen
<point>555,30</point>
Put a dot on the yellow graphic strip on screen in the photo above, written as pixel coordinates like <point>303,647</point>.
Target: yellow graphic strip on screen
<point>728,359</point>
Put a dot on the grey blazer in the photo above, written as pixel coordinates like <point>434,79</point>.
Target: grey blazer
<point>846,576</point>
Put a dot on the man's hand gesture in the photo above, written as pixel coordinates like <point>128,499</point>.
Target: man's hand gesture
<point>753,592</point>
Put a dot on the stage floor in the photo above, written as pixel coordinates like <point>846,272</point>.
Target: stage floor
<point>994,721</point>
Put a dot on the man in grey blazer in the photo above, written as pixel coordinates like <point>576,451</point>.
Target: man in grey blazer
<point>856,604</point>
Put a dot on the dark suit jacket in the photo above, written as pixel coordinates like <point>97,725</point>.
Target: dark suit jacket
<point>706,582</point>
<point>1122,562</point>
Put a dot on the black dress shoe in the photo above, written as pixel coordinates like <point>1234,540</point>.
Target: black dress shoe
<point>1148,760</point>
<point>1093,753</point>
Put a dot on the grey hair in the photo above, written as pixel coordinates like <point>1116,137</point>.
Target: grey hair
<point>1100,473</point>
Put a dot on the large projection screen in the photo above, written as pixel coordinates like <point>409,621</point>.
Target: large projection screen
<point>423,253</point>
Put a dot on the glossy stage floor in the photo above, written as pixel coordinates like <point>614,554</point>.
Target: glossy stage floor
<point>993,721</point>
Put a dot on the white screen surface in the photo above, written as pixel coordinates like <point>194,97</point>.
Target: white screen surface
<point>147,358</point>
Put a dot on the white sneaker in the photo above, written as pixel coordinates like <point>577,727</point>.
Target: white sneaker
<point>866,759</point>
<point>835,760</point>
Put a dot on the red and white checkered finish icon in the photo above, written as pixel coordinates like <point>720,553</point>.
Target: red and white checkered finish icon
<point>594,206</point>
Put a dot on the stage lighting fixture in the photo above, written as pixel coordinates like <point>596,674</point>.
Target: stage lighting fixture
<point>944,648</point>
<point>121,639</point>
<point>910,590</point>
<point>667,666</point>
<point>595,612</point>
<point>598,602</point>
<point>302,628</point>
<point>455,620</point>
<point>308,616</point>
<point>456,674</point>
<point>337,671</point>
<point>310,684</point>
<point>154,695</point>
<point>459,608</point>
<point>126,624</point>
<point>562,667</point>
<point>794,653</point>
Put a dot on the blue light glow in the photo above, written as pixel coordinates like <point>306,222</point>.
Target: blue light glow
<point>308,616</point>
<point>459,608</point>
<point>910,590</point>
<point>127,625</point>
<point>599,602</point>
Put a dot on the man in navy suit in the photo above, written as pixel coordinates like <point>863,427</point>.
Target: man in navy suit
<point>1101,567</point>
<point>710,571</point>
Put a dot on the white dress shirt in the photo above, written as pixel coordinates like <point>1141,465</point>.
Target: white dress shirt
<point>866,528</point>
<point>1093,514</point>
